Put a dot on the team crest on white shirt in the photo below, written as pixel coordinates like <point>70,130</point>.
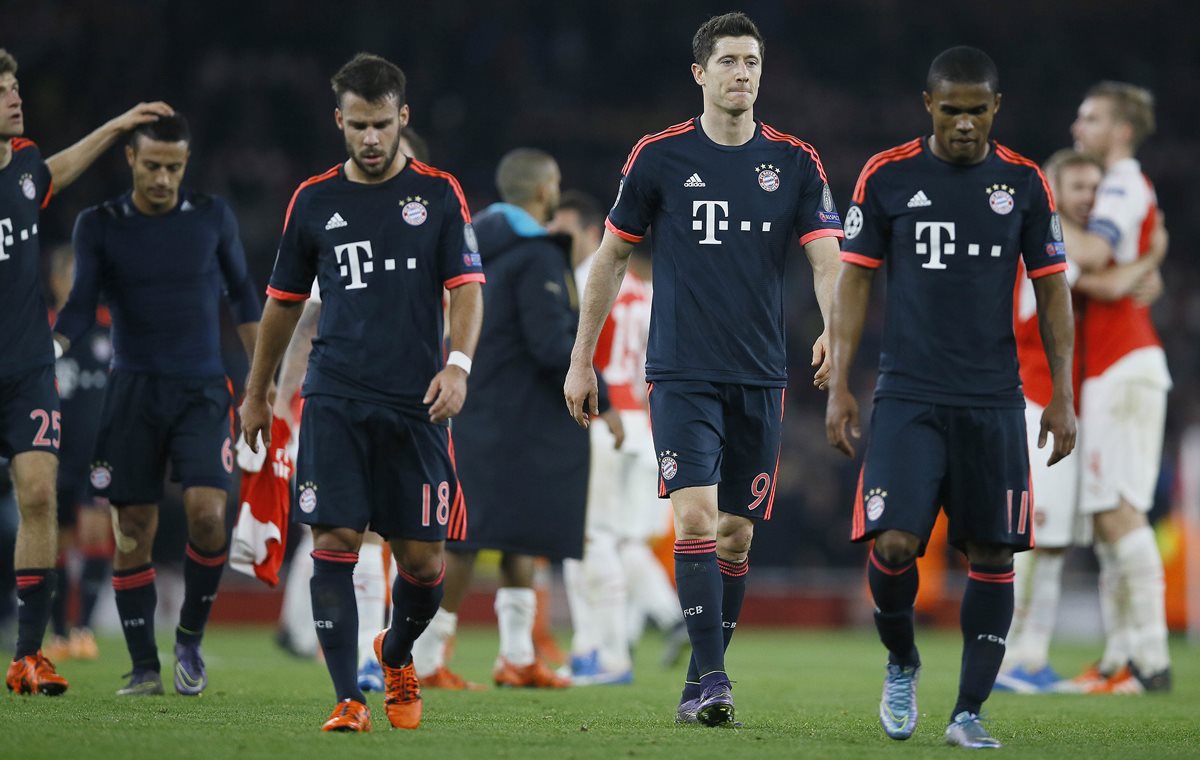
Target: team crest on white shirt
<point>27,186</point>
<point>668,465</point>
<point>768,178</point>
<point>875,503</point>
<point>414,211</point>
<point>1000,198</point>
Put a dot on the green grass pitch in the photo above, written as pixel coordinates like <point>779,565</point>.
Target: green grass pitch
<point>800,694</point>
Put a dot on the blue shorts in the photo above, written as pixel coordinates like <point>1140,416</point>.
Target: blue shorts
<point>972,462</point>
<point>722,433</point>
<point>147,418</point>
<point>29,413</point>
<point>364,465</point>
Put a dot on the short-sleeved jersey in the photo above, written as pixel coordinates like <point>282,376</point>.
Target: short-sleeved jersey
<point>621,349</point>
<point>25,189</point>
<point>1124,214</point>
<point>721,219</point>
<point>952,237</point>
<point>381,254</point>
<point>163,278</point>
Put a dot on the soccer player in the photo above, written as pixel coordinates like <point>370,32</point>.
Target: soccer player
<point>724,194</point>
<point>623,512</point>
<point>381,234</point>
<point>1125,384</point>
<point>953,215</point>
<point>1074,178</point>
<point>163,257</point>
<point>83,519</point>
<point>29,413</point>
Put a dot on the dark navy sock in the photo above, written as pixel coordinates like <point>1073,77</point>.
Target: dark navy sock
<point>987,611</point>
<point>91,582</point>
<point>201,577</point>
<point>136,600</point>
<point>733,593</point>
<point>698,582</point>
<point>58,606</point>
<point>335,614</point>
<point>414,603</point>
<point>35,589</point>
<point>894,589</point>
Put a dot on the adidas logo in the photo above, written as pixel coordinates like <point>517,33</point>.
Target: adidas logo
<point>694,181</point>
<point>919,200</point>
<point>335,221</point>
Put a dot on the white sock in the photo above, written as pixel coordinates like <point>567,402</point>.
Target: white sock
<point>429,650</point>
<point>606,594</point>
<point>583,638</point>
<point>1113,610</point>
<point>296,617</point>
<point>650,590</point>
<point>1142,571</point>
<point>1014,649</point>
<point>370,593</point>
<point>515,609</point>
<point>1041,610</point>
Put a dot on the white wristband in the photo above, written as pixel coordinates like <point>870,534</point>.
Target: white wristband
<point>460,360</point>
<point>58,349</point>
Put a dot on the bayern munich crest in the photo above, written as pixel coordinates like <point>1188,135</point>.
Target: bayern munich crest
<point>414,211</point>
<point>875,503</point>
<point>768,177</point>
<point>101,476</point>
<point>308,498</point>
<point>27,187</point>
<point>667,464</point>
<point>1000,198</point>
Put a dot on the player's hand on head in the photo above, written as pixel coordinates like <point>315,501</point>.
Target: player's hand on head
<point>142,113</point>
<point>821,360</point>
<point>256,421</point>
<point>612,418</point>
<point>581,393</point>
<point>841,409</point>
<point>447,393</point>
<point>1058,422</point>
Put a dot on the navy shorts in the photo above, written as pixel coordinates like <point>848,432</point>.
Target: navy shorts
<point>722,433</point>
<point>972,462</point>
<point>147,419</point>
<point>29,413</point>
<point>362,464</point>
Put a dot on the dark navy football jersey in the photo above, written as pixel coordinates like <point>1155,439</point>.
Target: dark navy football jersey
<point>721,219</point>
<point>163,278</point>
<point>952,236</point>
<point>25,189</point>
<point>381,254</point>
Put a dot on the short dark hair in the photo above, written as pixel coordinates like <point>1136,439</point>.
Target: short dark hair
<point>520,172</point>
<point>963,65</point>
<point>173,128</point>
<point>420,148</point>
<point>588,208</point>
<point>1131,104</point>
<point>371,77</point>
<point>8,64</point>
<point>727,25</point>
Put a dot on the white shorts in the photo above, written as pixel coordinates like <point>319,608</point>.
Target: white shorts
<point>1057,521</point>
<point>623,484</point>
<point>1123,415</point>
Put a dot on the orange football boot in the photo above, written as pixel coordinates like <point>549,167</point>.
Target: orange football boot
<point>350,716</point>
<point>444,678</point>
<point>82,645</point>
<point>34,674</point>
<point>57,648</point>
<point>401,689</point>
<point>535,675</point>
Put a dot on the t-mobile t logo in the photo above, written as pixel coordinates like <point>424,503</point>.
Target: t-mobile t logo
<point>707,211</point>
<point>941,243</point>
<point>5,237</point>
<point>357,262</point>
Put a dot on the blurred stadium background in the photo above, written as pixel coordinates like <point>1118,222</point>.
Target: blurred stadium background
<point>585,81</point>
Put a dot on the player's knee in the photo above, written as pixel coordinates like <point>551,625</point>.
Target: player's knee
<point>734,539</point>
<point>695,522</point>
<point>897,548</point>
<point>993,555</point>
<point>135,531</point>
<point>423,562</point>
<point>36,499</point>
<point>206,530</point>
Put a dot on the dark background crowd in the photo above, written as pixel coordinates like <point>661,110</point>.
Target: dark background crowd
<point>584,81</point>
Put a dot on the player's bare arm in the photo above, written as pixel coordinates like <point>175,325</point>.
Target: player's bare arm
<point>604,281</point>
<point>1087,250</point>
<point>1057,326</point>
<point>823,254</point>
<point>279,320</point>
<point>447,391</point>
<point>295,361</point>
<point>69,163</point>
<point>850,298</point>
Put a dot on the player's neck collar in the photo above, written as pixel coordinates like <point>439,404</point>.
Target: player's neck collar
<point>704,136</point>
